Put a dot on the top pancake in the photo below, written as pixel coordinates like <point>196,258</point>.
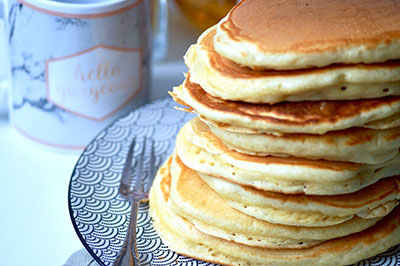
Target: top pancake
<point>297,34</point>
<point>228,80</point>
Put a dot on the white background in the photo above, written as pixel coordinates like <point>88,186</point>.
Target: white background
<point>35,226</point>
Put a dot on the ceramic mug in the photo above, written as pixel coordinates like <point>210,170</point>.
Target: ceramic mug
<point>76,66</point>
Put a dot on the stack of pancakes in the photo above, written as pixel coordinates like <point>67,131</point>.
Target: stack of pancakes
<point>294,158</point>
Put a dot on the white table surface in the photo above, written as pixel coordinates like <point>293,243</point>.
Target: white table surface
<point>35,226</point>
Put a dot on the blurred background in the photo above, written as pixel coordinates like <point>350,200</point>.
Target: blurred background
<point>187,19</point>
<point>205,13</point>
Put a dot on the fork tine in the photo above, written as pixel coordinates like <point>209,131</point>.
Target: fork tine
<point>124,187</point>
<point>139,166</point>
<point>152,168</point>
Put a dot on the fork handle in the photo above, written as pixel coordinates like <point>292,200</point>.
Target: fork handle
<point>125,257</point>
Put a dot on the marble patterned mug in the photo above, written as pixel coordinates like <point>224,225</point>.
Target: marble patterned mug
<point>76,66</point>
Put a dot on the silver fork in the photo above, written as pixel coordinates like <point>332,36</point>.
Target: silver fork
<point>136,193</point>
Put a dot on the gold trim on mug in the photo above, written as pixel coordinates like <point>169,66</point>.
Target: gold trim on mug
<point>71,15</point>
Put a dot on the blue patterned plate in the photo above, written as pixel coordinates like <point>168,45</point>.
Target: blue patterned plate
<point>101,217</point>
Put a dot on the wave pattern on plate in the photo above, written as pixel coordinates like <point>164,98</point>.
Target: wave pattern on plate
<point>101,216</point>
<point>115,134</point>
<point>112,219</point>
<point>89,177</point>
<point>390,257</point>
<point>107,149</point>
<point>103,193</point>
<point>91,148</point>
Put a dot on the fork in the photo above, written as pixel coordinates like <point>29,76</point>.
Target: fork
<point>136,194</point>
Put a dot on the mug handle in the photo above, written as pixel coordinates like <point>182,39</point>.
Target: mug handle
<point>4,55</point>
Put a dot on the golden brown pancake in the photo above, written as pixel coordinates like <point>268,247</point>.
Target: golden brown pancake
<point>181,236</point>
<point>376,200</point>
<point>228,80</point>
<point>191,198</point>
<point>315,117</point>
<point>297,34</point>
<point>194,199</point>
<point>201,150</point>
<point>360,145</point>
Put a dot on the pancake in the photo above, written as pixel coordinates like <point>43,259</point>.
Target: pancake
<point>388,122</point>
<point>314,117</point>
<point>360,145</point>
<point>193,199</point>
<point>252,237</point>
<point>295,34</point>
<point>202,151</point>
<point>385,123</point>
<point>376,200</point>
<point>181,236</point>
<point>227,80</point>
